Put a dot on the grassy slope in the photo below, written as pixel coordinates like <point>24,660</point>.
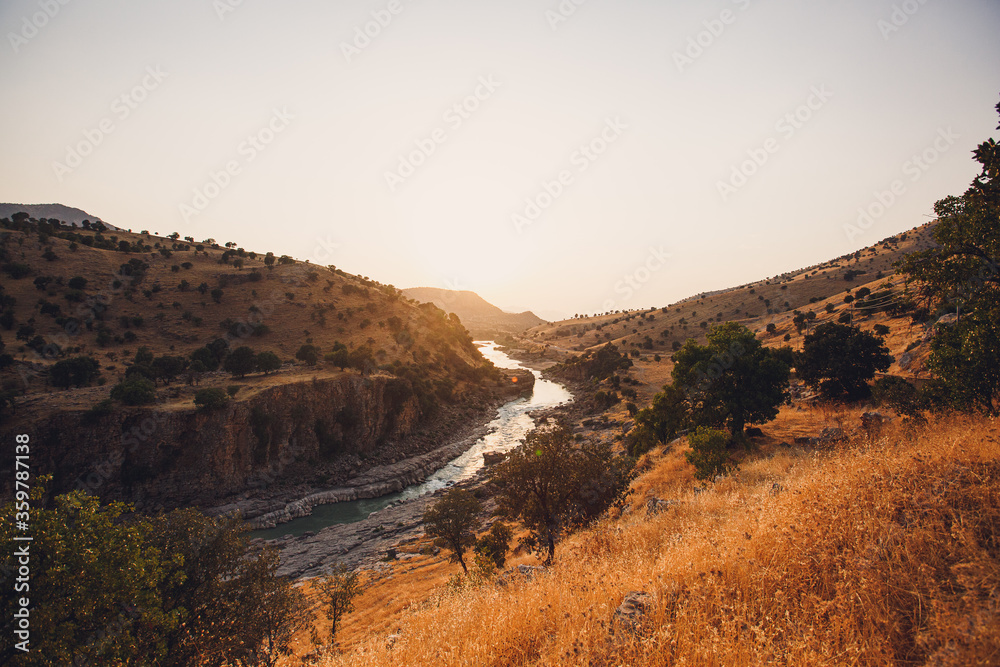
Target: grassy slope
<point>878,551</point>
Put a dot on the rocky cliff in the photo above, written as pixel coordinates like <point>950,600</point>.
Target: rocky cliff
<point>169,456</point>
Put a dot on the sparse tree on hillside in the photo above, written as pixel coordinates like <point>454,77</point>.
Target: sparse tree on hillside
<point>839,360</point>
<point>963,271</point>
<point>268,362</point>
<point>241,361</point>
<point>453,519</point>
<point>337,591</point>
<point>551,486</point>
<point>308,354</point>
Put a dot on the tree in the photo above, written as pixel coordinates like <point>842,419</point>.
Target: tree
<point>454,519</point>
<point>241,361</point>
<point>268,362</point>
<point>217,295</point>
<point>76,372</point>
<point>308,353</point>
<point>168,367</point>
<point>963,271</point>
<point>732,381</point>
<point>659,422</point>
<point>340,358</point>
<point>134,390</point>
<point>93,586</point>
<point>210,398</point>
<point>839,360</point>
<point>337,590</point>
<point>552,487</point>
<point>708,453</point>
<point>495,544</point>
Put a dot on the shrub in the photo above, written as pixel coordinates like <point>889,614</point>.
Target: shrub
<point>708,454</point>
<point>75,372</point>
<point>134,390</point>
<point>210,398</point>
<point>495,544</point>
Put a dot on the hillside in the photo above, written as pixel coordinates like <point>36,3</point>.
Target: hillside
<point>69,292</point>
<point>481,318</point>
<point>65,214</point>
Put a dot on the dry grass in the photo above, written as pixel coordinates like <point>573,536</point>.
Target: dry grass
<point>881,552</point>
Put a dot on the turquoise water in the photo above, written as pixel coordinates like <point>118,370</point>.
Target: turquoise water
<point>508,429</point>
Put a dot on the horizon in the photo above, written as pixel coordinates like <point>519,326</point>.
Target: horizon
<point>640,153</point>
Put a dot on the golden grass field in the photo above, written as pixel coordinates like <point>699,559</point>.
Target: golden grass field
<point>875,551</point>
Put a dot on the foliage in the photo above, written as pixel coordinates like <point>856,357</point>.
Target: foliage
<point>241,361</point>
<point>839,360</point>
<point>134,390</point>
<point>268,362</point>
<point>732,381</point>
<point>309,354</point>
<point>337,591</point>
<point>659,422</point>
<point>963,270</point>
<point>708,453</point>
<point>454,519</point>
<point>210,398</point>
<point>551,486</point>
<point>495,544</point>
<point>76,372</point>
<point>598,365</point>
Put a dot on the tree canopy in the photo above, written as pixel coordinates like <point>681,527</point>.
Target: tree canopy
<point>839,360</point>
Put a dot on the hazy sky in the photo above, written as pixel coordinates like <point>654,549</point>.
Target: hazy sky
<point>566,157</point>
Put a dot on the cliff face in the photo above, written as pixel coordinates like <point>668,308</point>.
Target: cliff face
<point>180,456</point>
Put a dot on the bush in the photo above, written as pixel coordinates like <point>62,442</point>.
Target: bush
<point>210,398</point>
<point>708,453</point>
<point>75,372</point>
<point>495,544</point>
<point>268,362</point>
<point>308,353</point>
<point>134,390</point>
<point>241,361</point>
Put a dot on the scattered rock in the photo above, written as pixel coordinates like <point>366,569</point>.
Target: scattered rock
<point>777,488</point>
<point>390,554</point>
<point>527,572</point>
<point>657,505</point>
<point>493,458</point>
<point>806,440</point>
<point>632,612</point>
<point>831,434</point>
<point>873,421</point>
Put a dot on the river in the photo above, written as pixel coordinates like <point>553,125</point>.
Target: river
<point>507,431</point>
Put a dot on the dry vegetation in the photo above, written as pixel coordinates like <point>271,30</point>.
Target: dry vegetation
<point>879,550</point>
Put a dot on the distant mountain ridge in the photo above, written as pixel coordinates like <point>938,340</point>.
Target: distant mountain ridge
<point>61,212</point>
<point>478,315</point>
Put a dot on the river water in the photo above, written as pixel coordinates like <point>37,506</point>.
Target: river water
<point>507,431</point>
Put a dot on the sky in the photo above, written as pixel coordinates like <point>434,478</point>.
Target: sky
<point>563,156</point>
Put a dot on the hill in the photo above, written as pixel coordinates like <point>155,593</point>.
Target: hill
<point>65,214</point>
<point>480,317</point>
<point>69,292</point>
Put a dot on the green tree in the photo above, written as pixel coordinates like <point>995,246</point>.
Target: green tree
<point>93,585</point>
<point>210,398</point>
<point>309,354</point>
<point>340,358</point>
<point>732,381</point>
<point>241,361</point>
<point>659,422</point>
<point>552,487</point>
<point>268,362</point>
<point>963,271</point>
<point>453,519</point>
<point>76,372</point>
<point>337,591</point>
<point>708,454</point>
<point>134,390</point>
<point>839,360</point>
<point>495,544</point>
